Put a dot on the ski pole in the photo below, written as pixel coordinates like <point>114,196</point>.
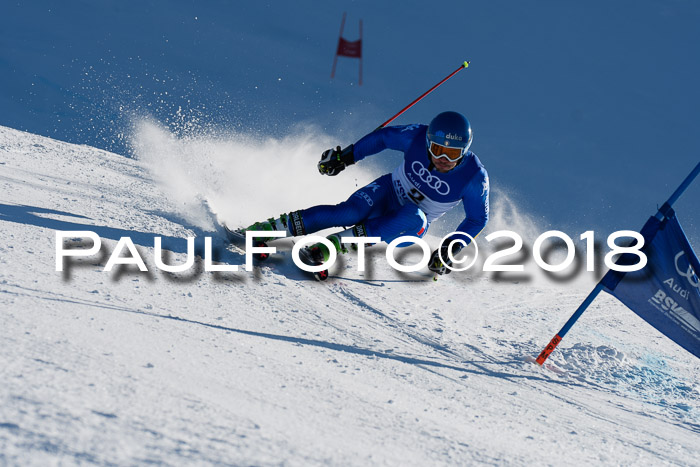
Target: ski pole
<point>461,67</point>
<point>560,335</point>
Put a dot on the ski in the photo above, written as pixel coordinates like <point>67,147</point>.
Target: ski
<point>306,254</point>
<point>237,237</point>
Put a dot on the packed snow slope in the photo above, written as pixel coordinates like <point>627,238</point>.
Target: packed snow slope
<point>270,367</point>
<point>586,111</point>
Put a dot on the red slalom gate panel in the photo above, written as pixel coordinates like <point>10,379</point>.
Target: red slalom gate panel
<point>351,49</point>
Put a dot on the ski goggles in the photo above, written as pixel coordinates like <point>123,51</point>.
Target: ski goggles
<point>439,151</point>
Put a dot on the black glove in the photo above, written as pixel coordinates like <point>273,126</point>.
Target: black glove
<point>334,161</point>
<point>438,266</point>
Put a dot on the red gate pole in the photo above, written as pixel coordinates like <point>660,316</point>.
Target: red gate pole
<point>360,52</point>
<point>340,38</point>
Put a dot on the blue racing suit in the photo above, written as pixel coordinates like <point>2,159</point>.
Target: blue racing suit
<point>406,201</point>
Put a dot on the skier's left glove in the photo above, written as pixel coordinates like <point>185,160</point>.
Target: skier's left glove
<point>441,266</point>
<point>334,161</point>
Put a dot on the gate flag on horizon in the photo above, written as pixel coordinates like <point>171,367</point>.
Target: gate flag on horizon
<point>346,48</point>
<point>665,293</point>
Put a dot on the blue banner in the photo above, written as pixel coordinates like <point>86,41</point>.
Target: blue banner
<point>666,292</point>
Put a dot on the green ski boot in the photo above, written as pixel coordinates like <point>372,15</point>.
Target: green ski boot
<point>319,253</point>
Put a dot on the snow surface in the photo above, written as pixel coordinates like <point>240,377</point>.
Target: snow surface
<point>270,367</point>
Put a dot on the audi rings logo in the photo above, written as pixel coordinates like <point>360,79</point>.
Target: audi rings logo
<point>689,273</point>
<point>433,182</point>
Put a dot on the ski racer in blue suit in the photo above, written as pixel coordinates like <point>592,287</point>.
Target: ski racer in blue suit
<point>438,171</point>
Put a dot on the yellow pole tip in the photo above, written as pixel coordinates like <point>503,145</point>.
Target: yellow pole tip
<point>466,64</point>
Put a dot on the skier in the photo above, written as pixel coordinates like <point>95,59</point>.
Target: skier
<point>438,171</point>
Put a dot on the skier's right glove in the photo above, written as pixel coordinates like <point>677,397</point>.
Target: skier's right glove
<point>443,266</point>
<point>334,161</point>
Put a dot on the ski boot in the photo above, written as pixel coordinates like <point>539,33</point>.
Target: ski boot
<point>318,253</point>
<point>269,225</point>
